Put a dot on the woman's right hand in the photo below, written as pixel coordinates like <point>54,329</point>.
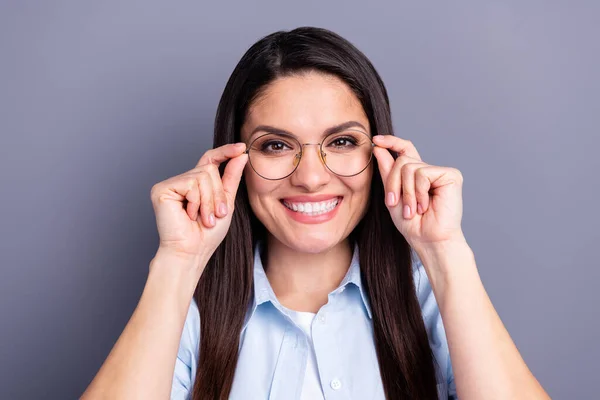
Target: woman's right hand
<point>194,210</point>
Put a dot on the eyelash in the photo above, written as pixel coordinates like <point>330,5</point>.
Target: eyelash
<point>271,142</point>
<point>346,138</point>
<point>349,139</point>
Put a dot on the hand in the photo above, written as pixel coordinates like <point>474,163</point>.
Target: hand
<point>194,210</point>
<point>434,194</point>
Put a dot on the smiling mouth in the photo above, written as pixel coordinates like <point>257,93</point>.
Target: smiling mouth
<point>313,209</point>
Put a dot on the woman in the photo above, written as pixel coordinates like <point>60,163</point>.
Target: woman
<point>315,276</point>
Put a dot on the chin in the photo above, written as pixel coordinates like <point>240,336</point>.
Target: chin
<point>312,242</point>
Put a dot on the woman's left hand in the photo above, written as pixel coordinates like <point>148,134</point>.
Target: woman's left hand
<point>425,201</point>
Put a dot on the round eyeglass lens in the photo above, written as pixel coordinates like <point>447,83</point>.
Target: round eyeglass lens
<point>347,153</point>
<point>275,156</point>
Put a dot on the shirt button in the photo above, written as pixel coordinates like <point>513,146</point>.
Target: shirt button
<point>336,384</point>
<point>322,318</point>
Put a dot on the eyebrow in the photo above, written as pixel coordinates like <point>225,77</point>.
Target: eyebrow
<point>329,131</point>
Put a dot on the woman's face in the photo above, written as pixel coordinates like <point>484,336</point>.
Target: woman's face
<point>306,106</point>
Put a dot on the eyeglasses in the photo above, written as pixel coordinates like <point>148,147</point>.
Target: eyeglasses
<point>276,156</point>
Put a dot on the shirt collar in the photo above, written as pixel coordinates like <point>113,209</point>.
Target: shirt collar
<point>263,292</point>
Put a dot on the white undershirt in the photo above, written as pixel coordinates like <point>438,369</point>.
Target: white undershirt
<point>311,388</point>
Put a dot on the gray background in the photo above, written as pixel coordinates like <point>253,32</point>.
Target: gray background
<point>100,100</point>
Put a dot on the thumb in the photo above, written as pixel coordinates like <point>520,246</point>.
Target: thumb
<point>233,174</point>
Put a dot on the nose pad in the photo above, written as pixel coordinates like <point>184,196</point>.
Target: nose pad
<point>297,158</point>
<point>322,156</point>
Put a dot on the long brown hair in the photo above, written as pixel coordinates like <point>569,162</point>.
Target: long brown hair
<point>225,290</point>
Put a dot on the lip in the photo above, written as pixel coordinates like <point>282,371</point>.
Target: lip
<point>312,219</point>
<point>311,199</point>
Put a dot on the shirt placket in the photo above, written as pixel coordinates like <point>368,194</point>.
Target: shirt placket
<point>291,365</point>
<point>331,371</point>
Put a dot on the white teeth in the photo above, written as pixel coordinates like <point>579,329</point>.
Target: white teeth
<point>313,208</point>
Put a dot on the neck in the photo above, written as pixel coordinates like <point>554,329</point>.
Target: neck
<point>301,281</point>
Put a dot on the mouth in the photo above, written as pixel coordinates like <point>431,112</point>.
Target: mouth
<point>313,209</point>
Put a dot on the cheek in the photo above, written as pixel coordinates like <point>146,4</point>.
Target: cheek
<point>361,190</point>
<point>250,181</point>
<point>259,191</point>
<point>361,185</point>
<point>254,190</point>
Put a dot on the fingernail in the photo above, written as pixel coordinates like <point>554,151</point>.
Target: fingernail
<point>391,198</point>
<point>420,208</point>
<point>211,219</point>
<point>223,208</point>
<point>406,211</point>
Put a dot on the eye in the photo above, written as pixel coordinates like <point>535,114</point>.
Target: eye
<point>273,146</point>
<point>343,141</point>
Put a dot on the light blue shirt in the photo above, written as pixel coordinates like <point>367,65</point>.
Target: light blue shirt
<point>274,349</point>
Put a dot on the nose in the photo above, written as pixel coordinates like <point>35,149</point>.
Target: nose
<point>311,172</point>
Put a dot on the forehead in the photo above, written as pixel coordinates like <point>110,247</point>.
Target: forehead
<point>305,105</point>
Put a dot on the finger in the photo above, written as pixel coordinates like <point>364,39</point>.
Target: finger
<point>207,206</point>
<point>219,197</point>
<point>222,153</point>
<point>385,161</point>
<point>233,174</point>
<point>438,177</point>
<point>193,198</point>
<point>422,185</point>
<point>394,183</point>
<point>409,199</point>
<point>399,145</point>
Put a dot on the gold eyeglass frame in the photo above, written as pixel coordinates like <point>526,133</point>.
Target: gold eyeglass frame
<point>298,156</point>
